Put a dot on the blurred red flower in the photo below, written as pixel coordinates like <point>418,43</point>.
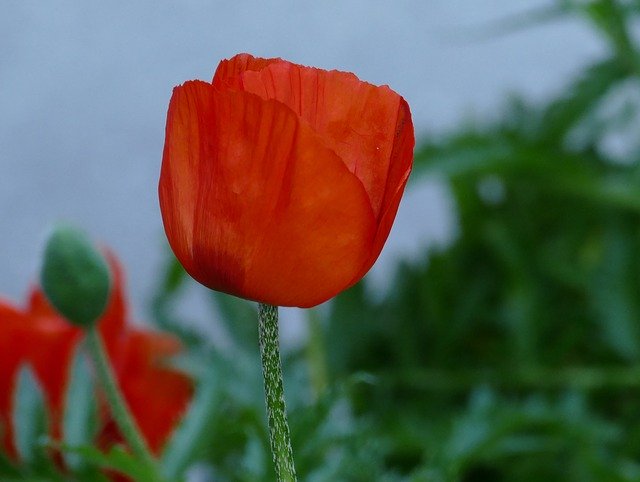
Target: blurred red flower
<point>280,182</point>
<point>41,339</point>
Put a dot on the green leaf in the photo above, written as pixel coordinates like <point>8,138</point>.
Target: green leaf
<point>580,98</point>
<point>169,289</point>
<point>186,441</point>
<point>80,414</point>
<point>29,417</point>
<point>174,276</point>
<point>614,289</point>
<point>7,467</point>
<point>240,318</point>
<point>117,459</point>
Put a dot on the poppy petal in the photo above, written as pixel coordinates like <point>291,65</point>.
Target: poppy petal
<point>268,211</point>
<point>399,171</point>
<point>178,186</point>
<point>357,120</point>
<point>228,72</point>
<point>46,343</point>
<point>12,352</point>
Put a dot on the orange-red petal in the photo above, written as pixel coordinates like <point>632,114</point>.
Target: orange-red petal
<point>229,70</point>
<point>45,344</point>
<point>253,202</point>
<point>355,119</point>
<point>12,349</point>
<point>401,162</point>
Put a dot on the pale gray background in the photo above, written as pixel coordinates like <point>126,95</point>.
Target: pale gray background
<point>84,87</point>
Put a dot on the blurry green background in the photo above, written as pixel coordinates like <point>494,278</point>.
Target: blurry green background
<point>512,354</point>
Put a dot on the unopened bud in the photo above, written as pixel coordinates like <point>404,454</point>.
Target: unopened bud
<point>75,276</point>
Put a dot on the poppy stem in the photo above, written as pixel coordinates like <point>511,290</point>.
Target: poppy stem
<point>117,404</point>
<point>274,393</point>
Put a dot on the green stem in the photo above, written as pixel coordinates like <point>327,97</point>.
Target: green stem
<point>274,393</point>
<point>117,403</point>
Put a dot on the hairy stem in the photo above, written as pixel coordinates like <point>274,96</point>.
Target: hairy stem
<point>274,393</point>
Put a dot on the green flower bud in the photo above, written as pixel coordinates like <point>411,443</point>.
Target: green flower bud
<point>75,276</point>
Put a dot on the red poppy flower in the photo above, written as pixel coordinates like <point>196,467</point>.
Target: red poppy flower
<point>280,182</point>
<point>39,337</point>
